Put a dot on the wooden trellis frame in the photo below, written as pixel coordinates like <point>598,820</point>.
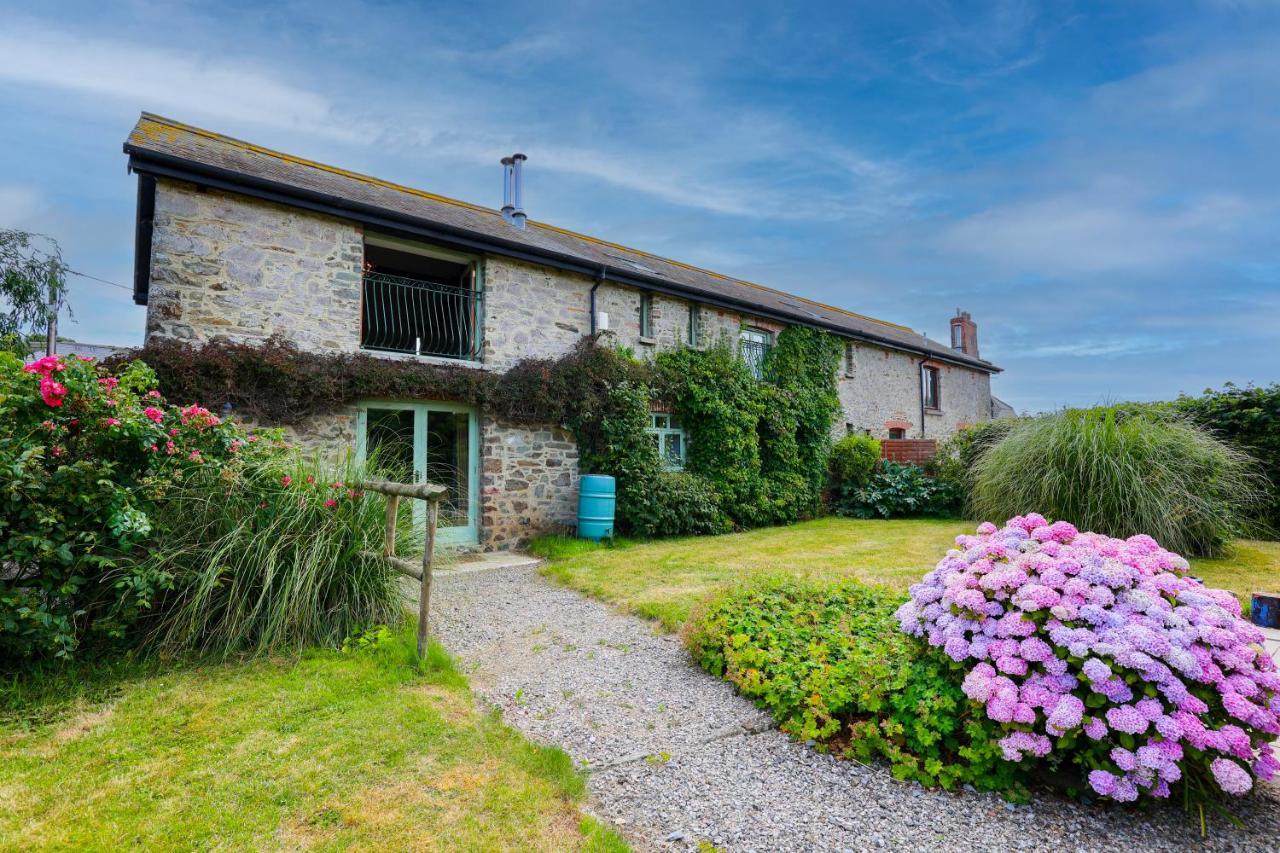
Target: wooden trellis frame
<point>432,494</point>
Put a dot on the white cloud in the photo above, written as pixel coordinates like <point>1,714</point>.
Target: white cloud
<point>222,88</point>
<point>17,205</point>
<point>1112,226</point>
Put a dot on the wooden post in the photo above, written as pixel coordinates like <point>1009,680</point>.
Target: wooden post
<point>393,508</point>
<point>428,555</point>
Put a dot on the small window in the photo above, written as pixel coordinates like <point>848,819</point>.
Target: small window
<point>848,360</point>
<point>931,388</point>
<point>755,345</point>
<point>849,429</point>
<point>646,315</point>
<point>695,332</point>
<point>897,433</point>
<point>669,440</point>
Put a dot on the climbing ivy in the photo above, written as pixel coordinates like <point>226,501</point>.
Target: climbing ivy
<point>757,451</point>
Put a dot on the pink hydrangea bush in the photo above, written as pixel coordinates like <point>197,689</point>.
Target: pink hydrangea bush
<point>1104,653</point>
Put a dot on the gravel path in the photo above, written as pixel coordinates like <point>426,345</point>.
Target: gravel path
<point>676,757</point>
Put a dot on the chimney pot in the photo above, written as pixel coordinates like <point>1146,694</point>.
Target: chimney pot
<point>508,181</point>
<point>517,166</point>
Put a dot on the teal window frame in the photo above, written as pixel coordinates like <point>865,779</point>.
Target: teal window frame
<point>456,535</point>
<point>664,427</point>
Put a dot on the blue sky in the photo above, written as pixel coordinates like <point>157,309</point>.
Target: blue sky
<point>1098,184</point>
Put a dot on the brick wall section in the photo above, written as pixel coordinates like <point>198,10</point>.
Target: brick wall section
<point>913,451</point>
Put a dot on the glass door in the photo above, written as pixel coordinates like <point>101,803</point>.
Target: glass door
<point>428,442</point>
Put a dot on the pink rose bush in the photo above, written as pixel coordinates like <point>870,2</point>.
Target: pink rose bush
<point>86,456</point>
<point>1103,652</point>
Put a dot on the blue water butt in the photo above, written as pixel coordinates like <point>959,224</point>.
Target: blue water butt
<point>596,499</point>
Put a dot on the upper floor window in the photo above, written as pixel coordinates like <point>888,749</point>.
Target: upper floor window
<point>646,315</point>
<point>754,345</point>
<point>669,440</point>
<point>419,300</point>
<point>848,360</point>
<point>931,387</point>
<point>695,330</point>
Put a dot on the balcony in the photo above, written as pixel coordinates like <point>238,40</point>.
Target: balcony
<point>420,317</point>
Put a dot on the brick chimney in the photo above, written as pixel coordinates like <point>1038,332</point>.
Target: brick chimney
<point>964,333</point>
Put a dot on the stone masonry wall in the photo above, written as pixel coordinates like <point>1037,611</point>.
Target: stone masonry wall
<point>528,483</point>
<point>225,265</point>
<point>884,390</point>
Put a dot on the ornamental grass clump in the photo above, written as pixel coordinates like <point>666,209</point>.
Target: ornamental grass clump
<point>1100,653</point>
<point>1122,472</point>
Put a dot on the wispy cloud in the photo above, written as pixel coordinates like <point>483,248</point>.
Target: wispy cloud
<point>212,86</point>
<point>1121,344</point>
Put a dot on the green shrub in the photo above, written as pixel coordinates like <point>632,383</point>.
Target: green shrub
<point>829,662</point>
<point>679,504</point>
<point>896,490</point>
<point>1249,418</point>
<point>958,456</point>
<point>853,460</point>
<point>270,558</point>
<point>1122,472</point>
<point>84,456</point>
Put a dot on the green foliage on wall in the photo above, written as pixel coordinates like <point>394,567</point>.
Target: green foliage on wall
<point>757,451</point>
<point>762,445</point>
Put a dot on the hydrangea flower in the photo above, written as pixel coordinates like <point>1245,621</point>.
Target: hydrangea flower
<point>1065,633</point>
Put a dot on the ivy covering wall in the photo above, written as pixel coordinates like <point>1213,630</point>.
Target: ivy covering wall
<point>757,448</point>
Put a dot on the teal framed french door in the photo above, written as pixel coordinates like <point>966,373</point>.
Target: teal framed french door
<point>428,442</point>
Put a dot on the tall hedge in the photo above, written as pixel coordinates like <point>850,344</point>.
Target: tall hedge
<point>1249,418</point>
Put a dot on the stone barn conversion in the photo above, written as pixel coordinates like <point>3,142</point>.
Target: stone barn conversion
<point>238,241</point>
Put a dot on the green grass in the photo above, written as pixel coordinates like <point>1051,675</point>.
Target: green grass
<point>335,750</point>
<point>663,580</point>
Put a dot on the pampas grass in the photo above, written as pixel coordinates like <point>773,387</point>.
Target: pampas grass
<point>1122,472</point>
<point>269,559</point>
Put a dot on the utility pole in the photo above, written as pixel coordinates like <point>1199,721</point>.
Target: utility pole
<point>51,337</point>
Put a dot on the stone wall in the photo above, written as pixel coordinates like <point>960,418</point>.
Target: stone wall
<point>225,265</point>
<point>528,482</point>
<point>883,389</point>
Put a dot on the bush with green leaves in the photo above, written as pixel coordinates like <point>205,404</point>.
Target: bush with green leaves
<point>853,461</point>
<point>1122,472</point>
<point>84,455</point>
<point>957,457</point>
<point>123,516</point>
<point>828,661</point>
<point>898,490</point>
<point>1248,418</point>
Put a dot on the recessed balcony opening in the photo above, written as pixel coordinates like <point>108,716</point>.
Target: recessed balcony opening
<point>419,304</point>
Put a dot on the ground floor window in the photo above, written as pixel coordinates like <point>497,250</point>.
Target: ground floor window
<point>428,442</point>
<point>897,433</point>
<point>669,440</point>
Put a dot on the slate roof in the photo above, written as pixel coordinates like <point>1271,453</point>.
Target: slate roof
<point>162,146</point>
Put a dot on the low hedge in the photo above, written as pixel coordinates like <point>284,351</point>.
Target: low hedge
<point>830,663</point>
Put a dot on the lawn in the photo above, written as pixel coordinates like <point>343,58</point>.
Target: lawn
<point>334,751</point>
<point>662,580</point>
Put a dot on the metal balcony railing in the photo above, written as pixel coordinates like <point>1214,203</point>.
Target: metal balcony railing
<point>410,315</point>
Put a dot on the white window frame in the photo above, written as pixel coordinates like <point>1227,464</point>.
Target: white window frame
<point>664,424</point>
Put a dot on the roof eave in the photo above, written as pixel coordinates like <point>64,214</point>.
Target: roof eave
<point>156,164</point>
